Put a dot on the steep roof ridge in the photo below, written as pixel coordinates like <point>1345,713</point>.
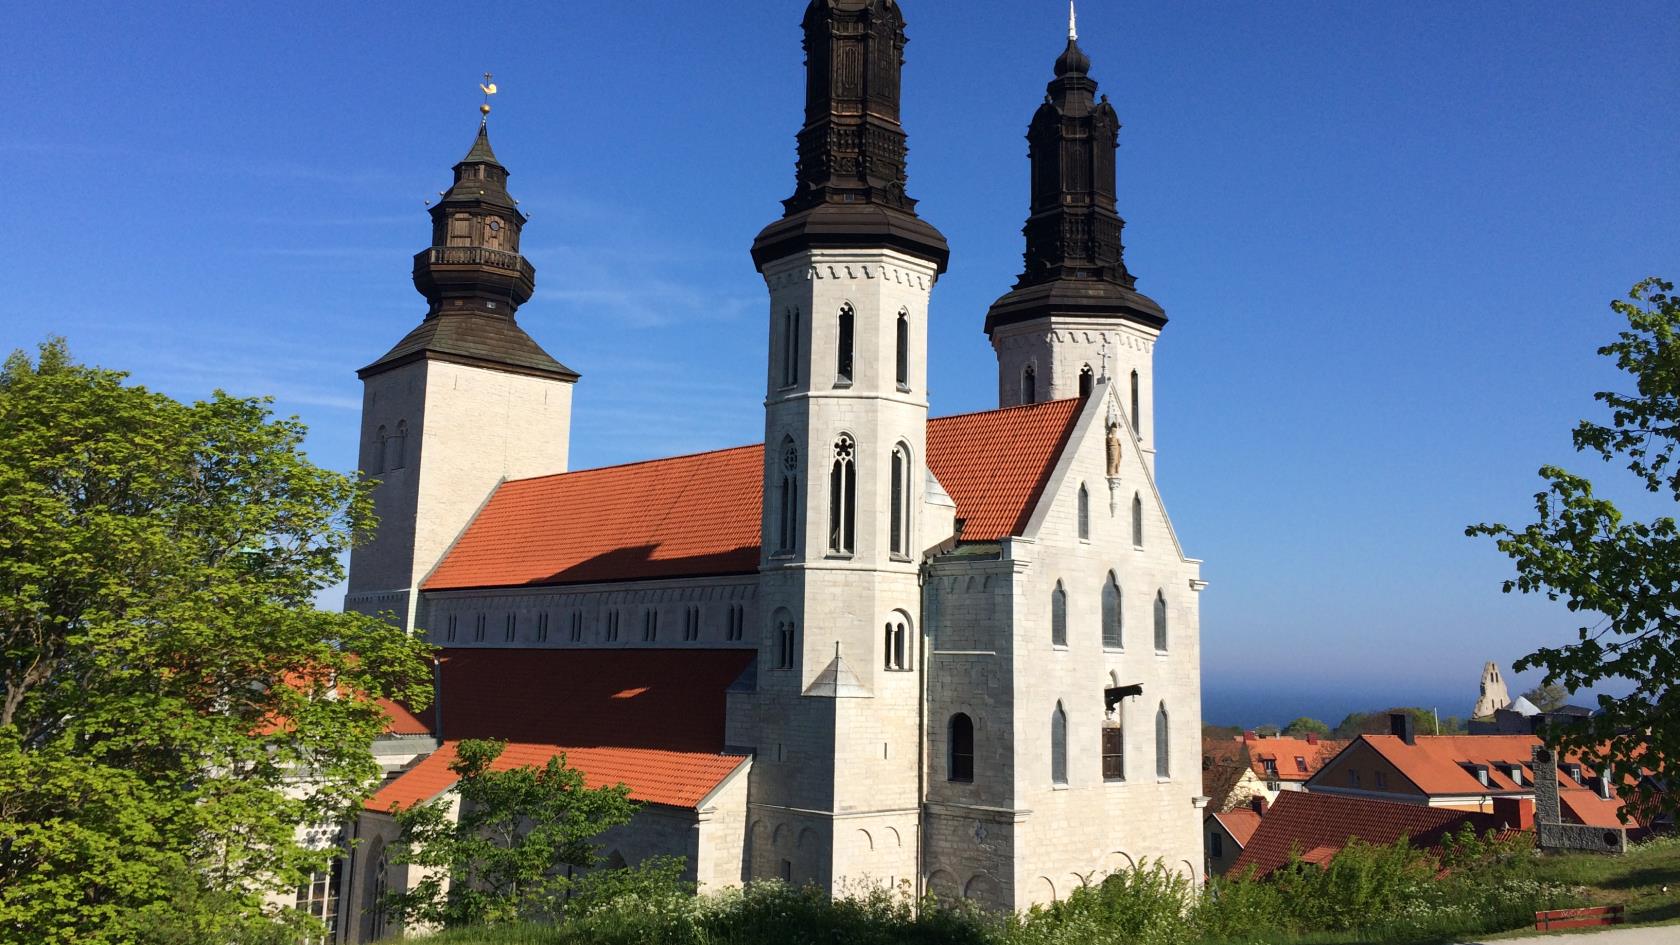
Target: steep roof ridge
<point>637,462</point>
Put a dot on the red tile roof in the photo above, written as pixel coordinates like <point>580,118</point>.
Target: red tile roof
<point>1319,825</point>
<point>1240,824</point>
<point>1284,750</point>
<point>669,700</point>
<point>995,464</point>
<point>403,721</point>
<point>699,515</point>
<point>676,779</point>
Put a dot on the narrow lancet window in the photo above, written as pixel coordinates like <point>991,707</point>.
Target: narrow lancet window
<point>1163,744</point>
<point>900,528</point>
<point>1087,378</point>
<point>1029,386</point>
<point>842,497</point>
<point>1058,746</point>
<point>843,363</point>
<point>1084,513</point>
<point>1161,621</point>
<point>790,348</point>
<point>1113,629</point>
<point>1137,414</point>
<point>903,350</point>
<point>787,522</point>
<point>1058,616</point>
<point>1137,521</point>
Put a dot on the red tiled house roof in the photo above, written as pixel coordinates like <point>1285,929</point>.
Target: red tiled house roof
<point>699,515</point>
<point>1290,755</point>
<point>1436,764</point>
<point>1240,824</point>
<point>652,719</point>
<point>672,778</point>
<point>1320,825</point>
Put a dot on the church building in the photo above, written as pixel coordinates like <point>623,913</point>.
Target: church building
<point>957,655</point>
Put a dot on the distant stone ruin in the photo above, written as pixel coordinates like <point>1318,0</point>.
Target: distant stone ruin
<point>1494,695</point>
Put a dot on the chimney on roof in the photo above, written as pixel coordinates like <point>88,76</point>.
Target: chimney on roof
<point>1249,736</point>
<point>1403,726</point>
<point>1514,813</point>
<point>1312,738</point>
<point>1259,804</point>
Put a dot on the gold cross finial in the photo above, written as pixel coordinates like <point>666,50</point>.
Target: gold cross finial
<point>488,88</point>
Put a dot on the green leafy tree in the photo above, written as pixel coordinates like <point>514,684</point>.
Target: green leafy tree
<point>1621,576</point>
<point>508,852</point>
<point>1548,697</point>
<point>173,707</point>
<point>1304,726</point>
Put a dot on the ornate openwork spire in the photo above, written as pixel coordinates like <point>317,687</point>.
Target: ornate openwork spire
<point>1074,255</point>
<point>850,189</point>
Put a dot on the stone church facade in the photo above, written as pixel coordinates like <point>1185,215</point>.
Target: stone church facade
<point>957,655</point>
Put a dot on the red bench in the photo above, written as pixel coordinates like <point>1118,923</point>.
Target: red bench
<point>1578,918</point>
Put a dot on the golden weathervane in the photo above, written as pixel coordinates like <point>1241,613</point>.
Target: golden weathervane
<point>488,88</point>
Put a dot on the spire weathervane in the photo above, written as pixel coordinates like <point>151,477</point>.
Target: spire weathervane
<point>489,88</point>
<point>1073,22</point>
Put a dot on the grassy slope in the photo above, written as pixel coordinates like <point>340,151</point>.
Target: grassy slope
<point>1635,880</point>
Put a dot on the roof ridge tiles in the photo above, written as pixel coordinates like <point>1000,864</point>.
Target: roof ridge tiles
<point>638,462</point>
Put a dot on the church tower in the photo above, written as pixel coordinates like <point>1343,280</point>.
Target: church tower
<point>1075,314</point>
<point>463,402</point>
<point>849,268</point>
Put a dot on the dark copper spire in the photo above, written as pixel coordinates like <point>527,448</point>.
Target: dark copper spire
<point>850,189</point>
<point>1074,255</point>
<point>474,278</point>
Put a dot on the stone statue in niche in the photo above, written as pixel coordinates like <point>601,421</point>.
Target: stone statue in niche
<point>1113,450</point>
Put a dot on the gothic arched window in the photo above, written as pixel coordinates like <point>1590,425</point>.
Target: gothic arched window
<point>896,643</point>
<point>900,527</point>
<point>787,639</point>
<point>1163,744</point>
<point>843,359</point>
<point>790,348</point>
<point>1084,513</point>
<point>903,350</point>
<point>1058,746</point>
<point>1161,621</point>
<point>1029,385</point>
<point>787,527</point>
<point>1137,520</point>
<point>1137,414</point>
<point>960,743</point>
<point>842,497</point>
<point>1058,616</point>
<point>1113,625</point>
<point>1087,378</point>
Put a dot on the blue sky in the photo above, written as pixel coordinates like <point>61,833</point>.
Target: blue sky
<point>1386,235</point>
